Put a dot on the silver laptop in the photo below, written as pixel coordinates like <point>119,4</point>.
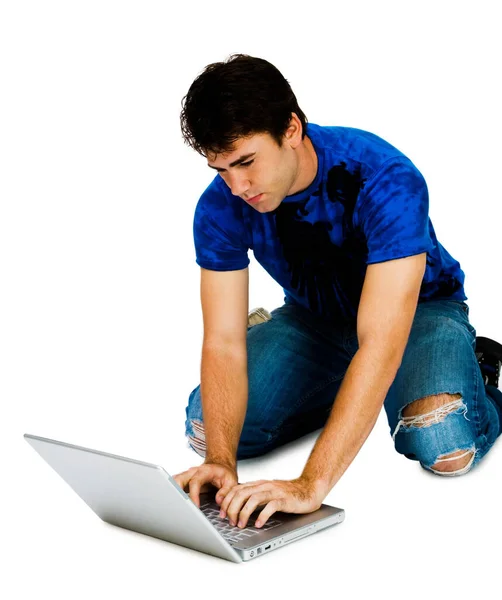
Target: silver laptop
<point>143,497</point>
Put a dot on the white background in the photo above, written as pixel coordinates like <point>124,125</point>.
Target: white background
<point>100,313</point>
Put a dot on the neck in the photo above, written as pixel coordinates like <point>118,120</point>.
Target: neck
<point>307,166</point>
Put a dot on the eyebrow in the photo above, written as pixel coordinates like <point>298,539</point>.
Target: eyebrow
<point>236,162</point>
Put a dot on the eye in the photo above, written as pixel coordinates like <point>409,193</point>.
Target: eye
<point>244,164</point>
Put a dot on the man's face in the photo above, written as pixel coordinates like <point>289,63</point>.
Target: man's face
<point>262,168</point>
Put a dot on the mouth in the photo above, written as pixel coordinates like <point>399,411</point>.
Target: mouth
<point>254,198</point>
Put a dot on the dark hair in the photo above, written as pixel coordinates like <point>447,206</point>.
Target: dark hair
<point>238,98</point>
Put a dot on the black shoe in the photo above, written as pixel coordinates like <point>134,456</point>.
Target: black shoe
<point>489,355</point>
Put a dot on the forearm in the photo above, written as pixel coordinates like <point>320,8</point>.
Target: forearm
<point>353,416</point>
<point>224,391</point>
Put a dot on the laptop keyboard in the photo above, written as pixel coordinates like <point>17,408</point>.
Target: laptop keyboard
<point>234,534</point>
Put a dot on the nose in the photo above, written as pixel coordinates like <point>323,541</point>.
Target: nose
<point>239,184</point>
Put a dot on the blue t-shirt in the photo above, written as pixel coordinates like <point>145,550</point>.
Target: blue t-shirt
<point>367,204</point>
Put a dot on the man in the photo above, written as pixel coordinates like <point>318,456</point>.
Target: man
<point>374,311</point>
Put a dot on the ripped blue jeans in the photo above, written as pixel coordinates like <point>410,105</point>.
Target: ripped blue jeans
<point>297,361</point>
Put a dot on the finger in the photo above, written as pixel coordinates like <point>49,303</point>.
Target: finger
<point>194,487</point>
<point>183,478</point>
<point>225,484</point>
<point>267,512</point>
<point>190,470</point>
<point>257,499</point>
<point>229,481</point>
<point>226,501</point>
<point>256,487</point>
<point>222,493</point>
<point>239,499</point>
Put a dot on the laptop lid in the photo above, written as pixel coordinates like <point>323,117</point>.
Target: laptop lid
<point>134,495</point>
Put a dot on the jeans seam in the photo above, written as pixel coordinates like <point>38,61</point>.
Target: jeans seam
<point>475,379</point>
<point>475,407</point>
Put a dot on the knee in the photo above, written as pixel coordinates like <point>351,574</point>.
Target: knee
<point>455,463</point>
<point>257,437</point>
<point>196,437</point>
<point>435,409</point>
<point>253,441</point>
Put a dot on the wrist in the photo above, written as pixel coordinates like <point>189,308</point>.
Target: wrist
<point>319,487</point>
<point>223,460</point>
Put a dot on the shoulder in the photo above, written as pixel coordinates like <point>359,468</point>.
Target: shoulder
<point>214,196</point>
<point>217,202</point>
<point>360,149</point>
<point>219,211</point>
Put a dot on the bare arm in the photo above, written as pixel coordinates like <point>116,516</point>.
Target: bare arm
<point>224,391</point>
<point>224,378</point>
<point>386,311</point>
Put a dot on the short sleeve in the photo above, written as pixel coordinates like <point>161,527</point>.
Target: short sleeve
<point>394,212</point>
<point>218,238</point>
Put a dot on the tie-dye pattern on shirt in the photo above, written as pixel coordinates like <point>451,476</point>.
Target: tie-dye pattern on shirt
<point>367,204</point>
